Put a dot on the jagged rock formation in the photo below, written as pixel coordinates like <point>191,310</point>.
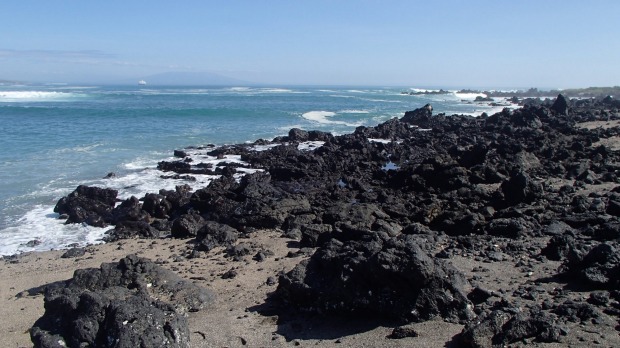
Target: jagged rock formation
<point>381,214</point>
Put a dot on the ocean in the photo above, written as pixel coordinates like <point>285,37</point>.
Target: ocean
<point>56,137</point>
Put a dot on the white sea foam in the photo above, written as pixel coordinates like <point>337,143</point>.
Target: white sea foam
<point>490,110</point>
<point>354,112</point>
<point>149,179</point>
<point>468,96</point>
<point>244,171</point>
<point>310,145</point>
<point>197,91</point>
<point>265,90</point>
<point>276,90</point>
<point>319,116</point>
<point>384,141</point>
<point>187,91</point>
<point>40,230</point>
<point>260,148</point>
<point>140,163</point>
<point>22,96</point>
<point>322,117</point>
<point>422,90</point>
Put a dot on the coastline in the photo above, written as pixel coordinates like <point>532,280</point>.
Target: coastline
<point>67,156</point>
<point>536,256</point>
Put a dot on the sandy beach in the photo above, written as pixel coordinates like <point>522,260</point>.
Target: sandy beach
<point>234,320</point>
<point>240,315</point>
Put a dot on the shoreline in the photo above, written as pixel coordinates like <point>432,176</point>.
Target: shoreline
<point>47,189</point>
<point>507,238</point>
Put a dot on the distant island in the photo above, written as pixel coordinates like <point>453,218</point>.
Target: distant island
<point>590,92</point>
<point>10,82</point>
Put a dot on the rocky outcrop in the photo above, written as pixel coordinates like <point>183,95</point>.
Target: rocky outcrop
<point>90,205</point>
<point>385,216</point>
<point>132,303</point>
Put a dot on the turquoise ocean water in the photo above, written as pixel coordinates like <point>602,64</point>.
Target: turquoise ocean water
<point>55,138</point>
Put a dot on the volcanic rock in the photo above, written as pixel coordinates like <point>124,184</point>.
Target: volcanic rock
<point>213,234</point>
<point>502,327</point>
<point>90,205</point>
<point>132,303</point>
<point>389,277</point>
<point>561,105</point>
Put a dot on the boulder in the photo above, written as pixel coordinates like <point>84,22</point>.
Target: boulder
<point>509,227</point>
<point>180,153</point>
<point>296,134</point>
<point>132,303</point>
<point>502,327</point>
<point>393,278</point>
<point>313,235</point>
<point>187,225</point>
<point>520,188</point>
<point>90,205</point>
<point>561,105</point>
<point>561,247</point>
<point>132,229</point>
<point>213,234</point>
<point>179,167</point>
<point>421,117</point>
<point>73,252</point>
<point>599,268</point>
<point>129,210</point>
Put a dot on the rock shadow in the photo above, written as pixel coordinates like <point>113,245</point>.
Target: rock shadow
<point>293,324</point>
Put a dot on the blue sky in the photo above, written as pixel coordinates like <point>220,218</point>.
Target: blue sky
<point>472,43</point>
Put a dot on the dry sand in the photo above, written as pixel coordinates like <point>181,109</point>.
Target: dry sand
<point>599,124</point>
<point>240,316</point>
<point>612,143</point>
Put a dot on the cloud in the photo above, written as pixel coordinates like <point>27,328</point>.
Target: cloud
<point>82,57</point>
<point>55,54</point>
<point>65,58</point>
<point>77,65</point>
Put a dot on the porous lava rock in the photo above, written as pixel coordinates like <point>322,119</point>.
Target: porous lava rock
<point>503,327</point>
<point>377,275</point>
<point>131,303</point>
<point>90,205</point>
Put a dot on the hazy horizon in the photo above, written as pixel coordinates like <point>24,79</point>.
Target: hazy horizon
<point>475,44</point>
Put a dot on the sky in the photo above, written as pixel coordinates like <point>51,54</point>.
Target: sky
<point>525,43</point>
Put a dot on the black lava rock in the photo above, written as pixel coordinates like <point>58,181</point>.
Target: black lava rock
<point>132,303</point>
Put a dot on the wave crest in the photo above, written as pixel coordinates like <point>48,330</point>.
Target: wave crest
<point>16,96</point>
